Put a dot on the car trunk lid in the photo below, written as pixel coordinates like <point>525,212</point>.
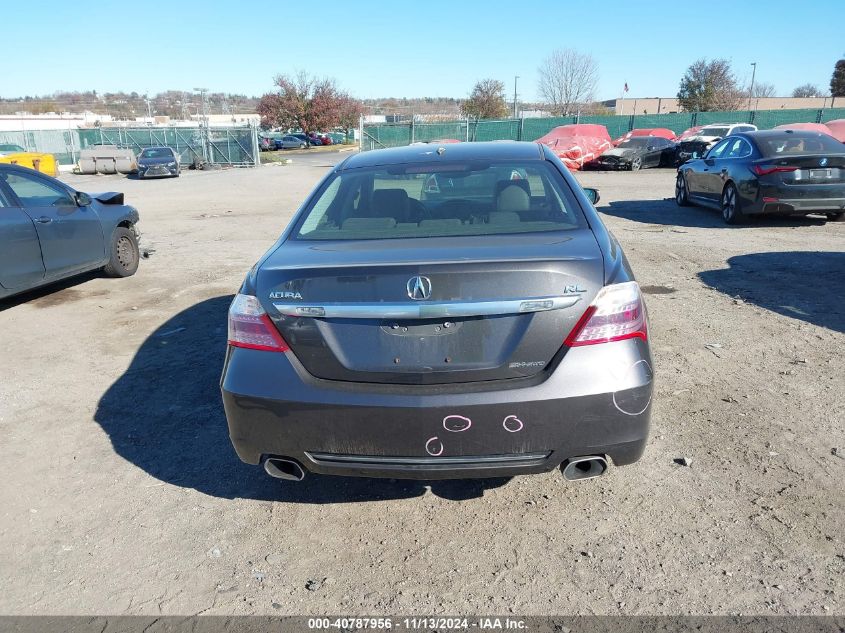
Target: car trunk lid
<point>497,307</point>
<point>804,169</point>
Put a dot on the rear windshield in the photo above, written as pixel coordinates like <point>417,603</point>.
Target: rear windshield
<point>713,131</point>
<point>439,201</point>
<point>790,145</point>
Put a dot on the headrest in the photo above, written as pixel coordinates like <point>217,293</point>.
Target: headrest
<point>513,198</point>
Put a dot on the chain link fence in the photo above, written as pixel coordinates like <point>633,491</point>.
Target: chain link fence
<point>237,147</point>
<point>398,134</point>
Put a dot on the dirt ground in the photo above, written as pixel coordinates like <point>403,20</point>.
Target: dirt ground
<point>122,494</point>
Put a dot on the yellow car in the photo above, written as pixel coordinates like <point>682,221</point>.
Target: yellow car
<point>17,155</point>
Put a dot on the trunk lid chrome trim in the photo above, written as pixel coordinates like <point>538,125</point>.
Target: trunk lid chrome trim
<point>427,310</point>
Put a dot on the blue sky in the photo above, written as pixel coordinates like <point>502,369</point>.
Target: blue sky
<point>436,48</point>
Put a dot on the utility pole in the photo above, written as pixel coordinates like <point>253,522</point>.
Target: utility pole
<point>204,131</point>
<point>514,95</point>
<point>202,92</point>
<point>751,89</point>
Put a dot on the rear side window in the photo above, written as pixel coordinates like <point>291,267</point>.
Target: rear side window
<point>738,148</point>
<point>790,145</point>
<point>407,201</point>
<point>718,151</point>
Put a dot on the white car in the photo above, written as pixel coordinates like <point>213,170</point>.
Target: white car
<point>696,145</point>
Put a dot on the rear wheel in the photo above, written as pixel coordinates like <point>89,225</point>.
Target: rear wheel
<point>124,255</point>
<point>836,217</point>
<point>681,193</point>
<point>636,164</point>
<point>731,211</point>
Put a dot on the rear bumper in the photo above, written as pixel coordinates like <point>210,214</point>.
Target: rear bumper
<point>804,205</point>
<point>794,199</point>
<point>597,401</point>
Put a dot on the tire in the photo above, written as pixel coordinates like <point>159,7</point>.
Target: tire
<point>836,217</point>
<point>124,255</point>
<point>731,206</point>
<point>636,163</point>
<point>303,145</point>
<point>681,191</point>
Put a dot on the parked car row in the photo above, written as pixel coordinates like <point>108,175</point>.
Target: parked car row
<point>269,141</point>
<point>588,146</point>
<point>334,326</point>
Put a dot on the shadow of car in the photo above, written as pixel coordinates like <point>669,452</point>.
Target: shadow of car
<point>666,212</point>
<point>778,281</point>
<point>165,416</point>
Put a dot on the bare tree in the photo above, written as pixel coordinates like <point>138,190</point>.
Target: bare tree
<point>486,101</point>
<point>762,90</point>
<point>807,90</point>
<point>568,78</point>
<point>710,86</point>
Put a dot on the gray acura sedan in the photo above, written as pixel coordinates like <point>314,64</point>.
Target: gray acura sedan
<point>437,312</point>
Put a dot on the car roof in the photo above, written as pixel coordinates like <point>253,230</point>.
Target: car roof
<point>432,153</point>
<point>157,147</point>
<point>645,137</point>
<point>782,134</point>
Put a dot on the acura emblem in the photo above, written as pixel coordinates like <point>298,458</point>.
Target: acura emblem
<point>823,162</point>
<point>419,288</point>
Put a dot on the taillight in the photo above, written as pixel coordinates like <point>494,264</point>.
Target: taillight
<point>762,170</point>
<point>250,327</point>
<point>615,314</point>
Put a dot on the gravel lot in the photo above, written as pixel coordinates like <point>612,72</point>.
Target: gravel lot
<point>121,492</point>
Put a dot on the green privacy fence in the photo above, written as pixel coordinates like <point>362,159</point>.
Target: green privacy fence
<point>398,134</point>
<point>63,144</point>
<point>232,146</point>
<point>226,146</point>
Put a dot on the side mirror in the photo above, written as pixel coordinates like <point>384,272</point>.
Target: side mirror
<point>82,199</point>
<point>592,195</point>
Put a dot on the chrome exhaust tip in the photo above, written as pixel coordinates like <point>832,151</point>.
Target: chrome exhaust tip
<point>587,467</point>
<point>283,469</point>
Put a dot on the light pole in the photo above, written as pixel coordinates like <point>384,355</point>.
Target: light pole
<point>514,95</point>
<point>751,89</point>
